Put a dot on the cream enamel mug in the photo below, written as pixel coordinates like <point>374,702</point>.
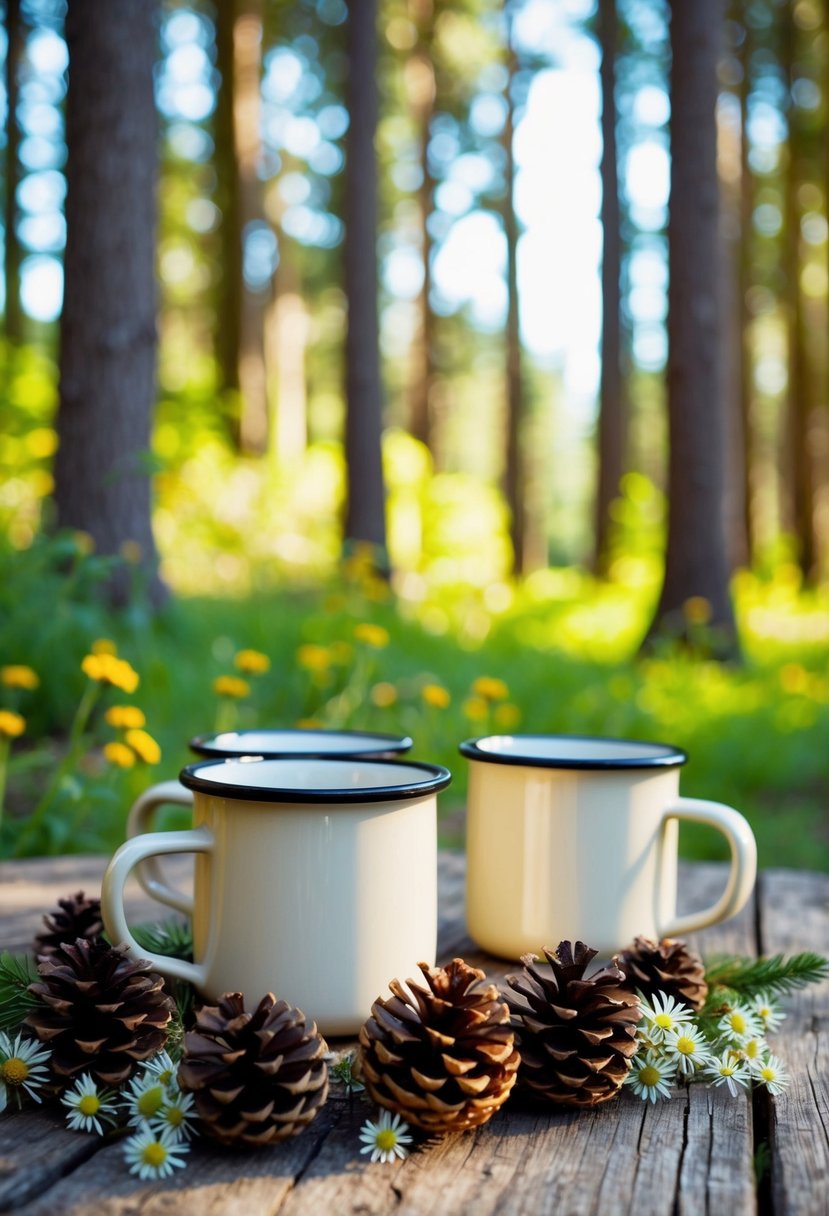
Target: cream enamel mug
<point>577,838</point>
<point>315,879</point>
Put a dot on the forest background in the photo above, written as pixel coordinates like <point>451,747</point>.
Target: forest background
<point>424,366</point>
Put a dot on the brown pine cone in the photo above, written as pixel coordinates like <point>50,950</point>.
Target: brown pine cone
<point>257,1077</point>
<point>103,1012</point>
<point>443,1056</point>
<point>576,1033</point>
<point>76,916</point>
<point>667,966</point>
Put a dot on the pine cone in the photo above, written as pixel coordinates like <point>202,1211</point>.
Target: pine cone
<point>76,916</point>
<point>667,966</point>
<point>257,1077</point>
<point>103,1012</point>
<point>576,1033</point>
<point>443,1057</point>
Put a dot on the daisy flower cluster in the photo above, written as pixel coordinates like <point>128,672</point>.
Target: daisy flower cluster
<point>728,1047</point>
<point>159,1117</point>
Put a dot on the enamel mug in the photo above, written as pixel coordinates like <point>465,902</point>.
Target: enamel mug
<point>577,838</point>
<point>315,879</point>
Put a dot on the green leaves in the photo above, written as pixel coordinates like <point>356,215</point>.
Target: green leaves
<point>17,972</point>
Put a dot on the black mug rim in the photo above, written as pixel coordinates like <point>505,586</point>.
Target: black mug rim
<point>670,757</point>
<point>436,778</point>
<point>200,744</point>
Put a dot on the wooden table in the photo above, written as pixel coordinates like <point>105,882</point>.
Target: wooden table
<point>692,1155</point>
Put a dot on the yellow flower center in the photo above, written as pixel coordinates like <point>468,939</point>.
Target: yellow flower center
<point>752,1049</point>
<point>649,1075</point>
<point>154,1154</point>
<point>175,1116</point>
<point>386,1139</point>
<point>685,1045</point>
<point>767,1074</point>
<point>151,1101</point>
<point>14,1071</point>
<point>738,1023</point>
<point>664,1021</point>
<point>765,1012</point>
<point>89,1104</point>
<point>726,1070</point>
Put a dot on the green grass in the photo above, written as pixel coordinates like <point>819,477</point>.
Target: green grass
<point>757,733</point>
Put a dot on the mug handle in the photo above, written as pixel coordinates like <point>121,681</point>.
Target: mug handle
<point>743,870</point>
<point>131,854</point>
<point>149,872</point>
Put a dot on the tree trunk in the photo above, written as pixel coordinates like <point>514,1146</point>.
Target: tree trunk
<point>241,346</point>
<point>744,315</point>
<point>13,253</point>
<point>287,330</point>
<point>514,471</point>
<point>696,562</point>
<point>611,422</point>
<point>420,87</point>
<point>365,516</point>
<point>108,325</point>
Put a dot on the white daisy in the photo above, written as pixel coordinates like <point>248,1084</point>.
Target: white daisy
<point>177,1113</point>
<point>152,1154</point>
<point>687,1049</point>
<point>662,1015</point>
<point>752,1050</point>
<point>163,1068</point>
<point>728,1070</point>
<point>740,1024</point>
<point>144,1098</point>
<point>650,1077</point>
<point>22,1068</point>
<point>770,1072</point>
<point>768,1010</point>
<point>385,1138</point>
<point>87,1107</point>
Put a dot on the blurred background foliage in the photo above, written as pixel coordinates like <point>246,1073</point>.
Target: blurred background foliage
<point>489,121</point>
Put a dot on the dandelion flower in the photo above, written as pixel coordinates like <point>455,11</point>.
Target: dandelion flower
<point>87,1106</point>
<point>768,1010</point>
<point>313,657</point>
<point>145,1097</point>
<point>383,695</point>
<point>739,1024</point>
<point>490,688</point>
<point>153,1154</point>
<point>103,646</point>
<point>385,1138</point>
<point>475,709</point>
<point>125,717</point>
<point>650,1077</point>
<point>22,1067</point>
<point>17,675</point>
<point>252,662</point>
<point>770,1072</point>
<point>662,1015</point>
<point>435,696</point>
<point>12,725</point>
<point>372,635</point>
<point>686,1048</point>
<point>109,669</point>
<point>119,754</point>
<point>231,686</point>
<point>178,1114</point>
<point>144,746</point>
<point>728,1070</point>
<point>507,716</point>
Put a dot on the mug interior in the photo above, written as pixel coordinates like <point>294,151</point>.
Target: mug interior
<point>314,779</point>
<point>572,751</point>
<point>272,744</point>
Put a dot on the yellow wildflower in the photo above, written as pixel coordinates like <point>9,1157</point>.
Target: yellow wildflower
<point>476,709</point>
<point>125,717</point>
<point>507,716</point>
<point>794,677</point>
<point>231,686</point>
<point>17,675</point>
<point>103,646</point>
<point>308,724</point>
<point>11,724</point>
<point>313,657</point>
<point>383,695</point>
<point>144,746</point>
<point>697,610</point>
<point>435,695</point>
<point>372,635</point>
<point>252,662</point>
<point>119,754</point>
<point>107,669</point>
<point>490,688</point>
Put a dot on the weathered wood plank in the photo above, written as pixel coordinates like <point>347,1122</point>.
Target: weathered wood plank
<point>794,916</point>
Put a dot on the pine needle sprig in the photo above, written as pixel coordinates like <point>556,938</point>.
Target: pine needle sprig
<point>172,938</point>
<point>733,976</point>
<point>17,972</point>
